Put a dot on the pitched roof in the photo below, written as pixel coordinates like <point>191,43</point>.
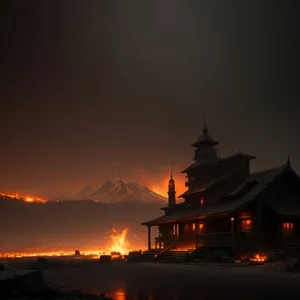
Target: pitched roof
<point>271,174</point>
<point>248,156</point>
<point>220,160</point>
<point>261,182</point>
<point>205,186</point>
<point>265,176</point>
<point>205,138</point>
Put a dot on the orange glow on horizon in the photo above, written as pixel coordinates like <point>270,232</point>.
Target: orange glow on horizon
<point>117,242</point>
<point>23,198</point>
<point>161,186</point>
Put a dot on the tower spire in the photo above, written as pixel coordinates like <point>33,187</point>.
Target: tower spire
<point>119,177</point>
<point>288,160</point>
<point>205,130</point>
<point>171,189</point>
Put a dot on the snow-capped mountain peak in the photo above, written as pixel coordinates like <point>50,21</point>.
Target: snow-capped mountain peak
<point>125,192</point>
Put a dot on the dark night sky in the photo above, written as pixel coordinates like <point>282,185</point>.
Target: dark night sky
<point>90,88</point>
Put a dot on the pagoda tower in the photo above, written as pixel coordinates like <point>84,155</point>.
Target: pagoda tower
<point>171,190</point>
<point>205,152</point>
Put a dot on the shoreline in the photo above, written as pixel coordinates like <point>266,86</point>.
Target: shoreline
<point>121,280</point>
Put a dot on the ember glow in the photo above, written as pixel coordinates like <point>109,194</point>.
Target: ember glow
<point>259,257</point>
<point>47,254</point>
<point>161,187</point>
<point>117,242</point>
<point>23,198</point>
<point>187,248</point>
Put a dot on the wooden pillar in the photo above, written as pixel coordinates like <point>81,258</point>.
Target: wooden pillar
<point>258,228</point>
<point>232,234</point>
<point>149,238</point>
<point>160,239</point>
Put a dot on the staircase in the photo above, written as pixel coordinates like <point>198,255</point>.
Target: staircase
<point>172,256</point>
<point>165,255</point>
<point>150,255</point>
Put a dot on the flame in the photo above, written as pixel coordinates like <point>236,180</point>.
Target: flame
<point>118,243</point>
<point>186,248</point>
<point>61,253</point>
<point>23,198</point>
<point>258,257</point>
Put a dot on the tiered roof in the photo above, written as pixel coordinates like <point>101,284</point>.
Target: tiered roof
<point>256,183</point>
<point>205,139</point>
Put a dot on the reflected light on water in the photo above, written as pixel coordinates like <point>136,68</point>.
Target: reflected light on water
<point>123,294</point>
<point>119,294</point>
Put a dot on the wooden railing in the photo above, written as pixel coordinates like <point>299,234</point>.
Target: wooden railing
<point>216,239</point>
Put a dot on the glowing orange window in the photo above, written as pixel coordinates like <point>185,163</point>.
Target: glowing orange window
<point>201,201</point>
<point>246,225</point>
<point>200,227</point>
<point>287,228</point>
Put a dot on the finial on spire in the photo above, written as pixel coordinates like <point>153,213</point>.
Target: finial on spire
<point>119,177</point>
<point>205,130</point>
<point>288,160</point>
<point>171,172</point>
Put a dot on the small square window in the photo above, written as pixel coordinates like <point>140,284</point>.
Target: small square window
<point>200,227</point>
<point>246,225</point>
<point>174,229</point>
<point>287,228</point>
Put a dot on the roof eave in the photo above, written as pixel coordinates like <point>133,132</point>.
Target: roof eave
<point>211,143</point>
<point>187,218</point>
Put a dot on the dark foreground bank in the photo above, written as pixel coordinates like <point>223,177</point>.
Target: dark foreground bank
<point>163,281</point>
<point>54,294</point>
<point>28,284</point>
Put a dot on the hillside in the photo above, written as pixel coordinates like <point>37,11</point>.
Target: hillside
<point>77,224</point>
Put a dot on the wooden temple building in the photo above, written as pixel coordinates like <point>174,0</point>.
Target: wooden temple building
<point>227,206</point>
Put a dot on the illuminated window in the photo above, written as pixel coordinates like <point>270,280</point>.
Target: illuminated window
<point>246,225</point>
<point>287,228</point>
<point>200,227</point>
<point>176,229</point>
<point>201,201</point>
<point>194,226</point>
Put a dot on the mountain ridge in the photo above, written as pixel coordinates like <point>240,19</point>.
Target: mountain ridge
<point>119,192</point>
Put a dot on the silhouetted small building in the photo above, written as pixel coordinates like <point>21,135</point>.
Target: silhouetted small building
<point>226,206</point>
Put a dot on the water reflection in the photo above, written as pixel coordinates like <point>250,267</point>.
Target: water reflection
<point>123,294</point>
<point>136,292</point>
<point>119,294</point>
